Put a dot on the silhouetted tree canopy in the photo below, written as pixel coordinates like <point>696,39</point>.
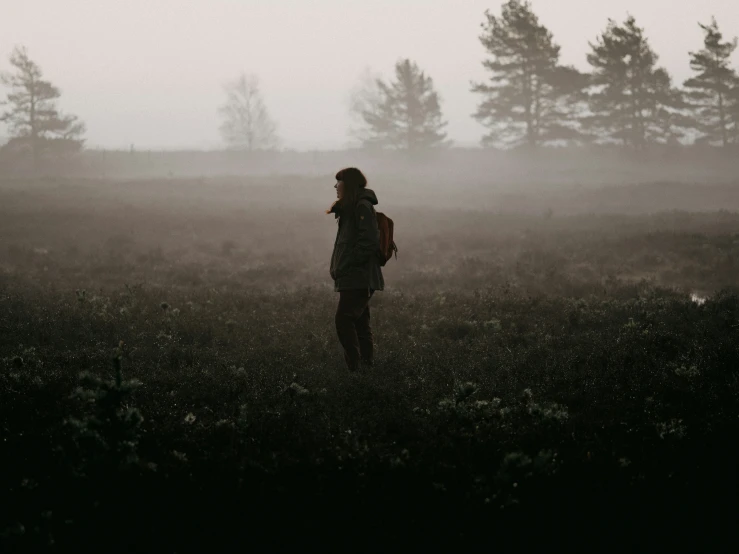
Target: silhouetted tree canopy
<point>632,101</point>
<point>404,114</point>
<point>711,91</point>
<point>530,98</point>
<point>34,122</point>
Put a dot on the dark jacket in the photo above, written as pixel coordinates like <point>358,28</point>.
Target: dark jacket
<point>355,260</point>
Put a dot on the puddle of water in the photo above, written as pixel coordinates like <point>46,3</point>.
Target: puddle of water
<point>698,299</point>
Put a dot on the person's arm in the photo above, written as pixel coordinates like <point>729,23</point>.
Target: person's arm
<point>368,236</point>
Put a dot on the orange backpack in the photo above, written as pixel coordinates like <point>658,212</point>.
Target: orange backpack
<point>387,244</point>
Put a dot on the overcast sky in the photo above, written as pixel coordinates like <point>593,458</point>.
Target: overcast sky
<point>151,72</point>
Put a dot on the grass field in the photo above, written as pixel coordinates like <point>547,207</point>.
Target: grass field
<point>543,375</point>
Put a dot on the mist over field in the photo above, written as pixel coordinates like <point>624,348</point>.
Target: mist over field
<point>555,357</point>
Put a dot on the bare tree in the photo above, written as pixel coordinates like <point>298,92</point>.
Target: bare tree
<point>33,119</point>
<point>246,122</point>
<point>365,97</point>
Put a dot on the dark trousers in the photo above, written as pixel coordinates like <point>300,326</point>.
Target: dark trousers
<point>353,326</point>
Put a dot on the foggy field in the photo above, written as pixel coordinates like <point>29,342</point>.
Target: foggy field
<point>540,361</point>
<point>271,234</point>
<point>188,362</point>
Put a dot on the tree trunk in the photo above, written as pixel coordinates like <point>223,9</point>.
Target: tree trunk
<point>34,126</point>
<point>722,120</point>
<point>527,91</point>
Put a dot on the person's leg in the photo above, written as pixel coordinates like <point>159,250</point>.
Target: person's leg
<point>364,334</point>
<point>352,304</point>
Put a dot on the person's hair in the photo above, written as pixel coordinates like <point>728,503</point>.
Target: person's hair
<point>354,181</point>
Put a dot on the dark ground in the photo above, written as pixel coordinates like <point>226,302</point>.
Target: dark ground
<point>542,381</point>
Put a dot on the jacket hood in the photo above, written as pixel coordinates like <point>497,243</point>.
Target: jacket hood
<point>368,194</point>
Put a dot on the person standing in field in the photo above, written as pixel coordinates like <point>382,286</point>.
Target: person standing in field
<point>355,265</point>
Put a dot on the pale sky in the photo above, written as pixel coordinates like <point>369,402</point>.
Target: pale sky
<point>151,72</point>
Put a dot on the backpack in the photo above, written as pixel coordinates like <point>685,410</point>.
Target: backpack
<point>387,244</point>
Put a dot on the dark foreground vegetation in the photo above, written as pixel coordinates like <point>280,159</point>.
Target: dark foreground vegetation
<point>170,380</point>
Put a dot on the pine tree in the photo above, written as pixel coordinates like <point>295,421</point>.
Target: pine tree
<point>531,100</point>
<point>32,115</point>
<point>405,113</point>
<point>246,122</point>
<point>632,101</point>
<point>734,111</point>
<point>710,91</point>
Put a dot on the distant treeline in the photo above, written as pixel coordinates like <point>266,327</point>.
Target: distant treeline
<point>529,101</point>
